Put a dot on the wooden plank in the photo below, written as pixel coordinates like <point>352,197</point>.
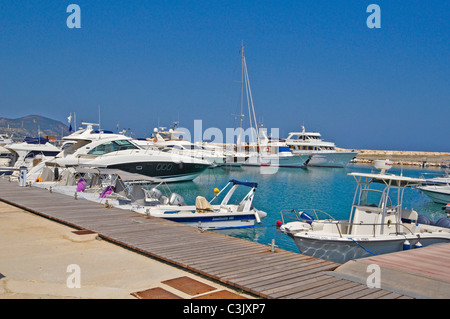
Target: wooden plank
<point>356,290</point>
<point>274,262</point>
<point>268,284</point>
<point>391,295</point>
<point>376,294</point>
<point>315,293</point>
<point>292,270</point>
<point>301,287</point>
<point>296,284</point>
<point>287,263</point>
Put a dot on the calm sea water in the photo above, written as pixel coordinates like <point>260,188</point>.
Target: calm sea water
<point>328,189</point>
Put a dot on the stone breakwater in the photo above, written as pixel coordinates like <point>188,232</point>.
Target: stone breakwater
<point>432,159</point>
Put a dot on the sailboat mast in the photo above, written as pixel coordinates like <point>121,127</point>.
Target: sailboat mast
<point>242,82</point>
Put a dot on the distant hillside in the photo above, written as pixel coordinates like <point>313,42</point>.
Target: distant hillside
<point>31,125</point>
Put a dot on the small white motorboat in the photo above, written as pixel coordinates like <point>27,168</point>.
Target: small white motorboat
<point>378,224</point>
<point>204,214</point>
<point>437,188</point>
<point>438,193</point>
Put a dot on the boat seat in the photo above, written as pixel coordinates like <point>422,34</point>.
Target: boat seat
<point>202,205</point>
<point>409,215</point>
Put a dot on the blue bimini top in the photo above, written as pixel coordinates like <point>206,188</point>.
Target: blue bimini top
<point>249,184</point>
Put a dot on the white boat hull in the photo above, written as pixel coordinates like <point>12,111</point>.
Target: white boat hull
<point>214,220</point>
<point>341,251</point>
<point>295,161</point>
<point>437,193</point>
<point>330,159</point>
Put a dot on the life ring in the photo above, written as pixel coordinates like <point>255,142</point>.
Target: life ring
<point>267,149</point>
<point>389,223</point>
<point>154,139</point>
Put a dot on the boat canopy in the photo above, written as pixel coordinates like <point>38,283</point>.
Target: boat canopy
<point>393,180</point>
<point>35,140</point>
<point>126,176</point>
<point>249,184</point>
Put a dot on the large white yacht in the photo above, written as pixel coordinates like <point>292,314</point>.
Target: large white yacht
<point>323,153</point>
<point>270,152</point>
<point>95,148</point>
<point>29,153</point>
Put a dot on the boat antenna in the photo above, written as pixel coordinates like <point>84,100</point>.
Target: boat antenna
<point>99,130</point>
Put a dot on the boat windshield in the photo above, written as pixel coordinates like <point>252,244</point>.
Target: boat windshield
<point>373,198</point>
<point>112,146</point>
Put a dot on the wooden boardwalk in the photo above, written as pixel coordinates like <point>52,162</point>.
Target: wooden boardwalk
<point>239,263</point>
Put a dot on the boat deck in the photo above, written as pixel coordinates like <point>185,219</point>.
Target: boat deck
<point>239,263</point>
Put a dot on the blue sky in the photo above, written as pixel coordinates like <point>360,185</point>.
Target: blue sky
<point>312,63</point>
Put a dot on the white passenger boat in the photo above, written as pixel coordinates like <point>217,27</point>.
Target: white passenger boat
<point>378,224</point>
<point>322,153</point>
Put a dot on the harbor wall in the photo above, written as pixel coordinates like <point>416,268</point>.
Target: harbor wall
<point>431,159</point>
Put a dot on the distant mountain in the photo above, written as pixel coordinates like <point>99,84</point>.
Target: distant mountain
<point>31,125</point>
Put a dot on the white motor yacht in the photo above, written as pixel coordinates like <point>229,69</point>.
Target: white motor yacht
<point>274,153</point>
<point>30,153</point>
<point>323,153</point>
<point>171,141</point>
<point>96,148</point>
<point>378,224</point>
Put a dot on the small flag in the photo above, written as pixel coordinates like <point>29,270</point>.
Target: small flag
<point>69,119</point>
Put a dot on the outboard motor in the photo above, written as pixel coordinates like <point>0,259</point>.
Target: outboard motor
<point>154,194</point>
<point>424,220</point>
<point>177,200</point>
<point>446,208</point>
<point>443,222</point>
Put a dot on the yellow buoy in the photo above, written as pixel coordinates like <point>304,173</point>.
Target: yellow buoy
<point>216,191</point>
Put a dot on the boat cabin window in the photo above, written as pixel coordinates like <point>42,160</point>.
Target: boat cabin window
<point>373,198</point>
<point>185,147</point>
<point>112,146</point>
<point>33,154</point>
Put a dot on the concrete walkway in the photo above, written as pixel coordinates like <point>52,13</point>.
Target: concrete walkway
<point>40,258</point>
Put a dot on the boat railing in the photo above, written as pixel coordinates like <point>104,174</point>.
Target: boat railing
<point>296,214</point>
<point>322,221</point>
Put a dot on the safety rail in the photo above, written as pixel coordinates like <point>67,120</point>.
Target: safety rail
<point>341,226</point>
